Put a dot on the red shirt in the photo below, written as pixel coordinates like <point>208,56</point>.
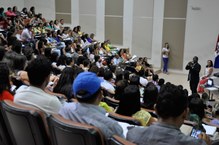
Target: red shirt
<point>5,95</point>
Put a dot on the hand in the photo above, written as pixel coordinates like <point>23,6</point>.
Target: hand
<point>205,137</point>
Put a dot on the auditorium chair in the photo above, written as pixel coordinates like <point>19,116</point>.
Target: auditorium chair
<point>4,136</point>
<point>67,132</point>
<point>116,140</point>
<point>25,125</point>
<point>122,118</point>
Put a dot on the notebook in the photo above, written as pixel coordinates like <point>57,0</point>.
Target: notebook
<point>186,129</point>
<point>210,130</point>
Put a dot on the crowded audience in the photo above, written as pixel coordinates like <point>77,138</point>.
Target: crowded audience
<point>41,59</point>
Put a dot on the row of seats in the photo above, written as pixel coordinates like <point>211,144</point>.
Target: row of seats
<point>22,125</point>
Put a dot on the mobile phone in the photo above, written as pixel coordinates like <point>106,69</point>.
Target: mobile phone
<point>195,133</point>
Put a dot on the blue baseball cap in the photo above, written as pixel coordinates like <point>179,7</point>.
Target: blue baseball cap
<point>86,81</point>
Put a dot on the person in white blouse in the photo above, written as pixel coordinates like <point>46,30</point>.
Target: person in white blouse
<point>165,55</point>
<point>204,79</point>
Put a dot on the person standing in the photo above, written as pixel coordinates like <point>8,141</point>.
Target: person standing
<point>193,77</point>
<point>165,55</point>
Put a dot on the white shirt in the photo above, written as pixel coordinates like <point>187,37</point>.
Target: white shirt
<point>143,81</point>
<point>165,52</point>
<point>107,86</point>
<point>36,97</point>
<point>26,35</point>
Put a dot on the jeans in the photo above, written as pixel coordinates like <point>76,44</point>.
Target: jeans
<point>165,64</point>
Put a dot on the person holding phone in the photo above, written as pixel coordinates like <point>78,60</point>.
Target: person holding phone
<point>172,109</point>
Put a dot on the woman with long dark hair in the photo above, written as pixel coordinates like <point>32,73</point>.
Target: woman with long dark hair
<point>204,79</point>
<point>5,83</point>
<point>64,85</point>
<point>130,105</point>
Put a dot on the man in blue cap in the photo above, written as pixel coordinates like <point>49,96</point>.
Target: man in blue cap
<point>87,90</point>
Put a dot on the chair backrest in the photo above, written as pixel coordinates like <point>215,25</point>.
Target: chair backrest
<point>67,132</point>
<point>24,124</point>
<point>4,135</point>
<point>116,140</point>
<point>111,102</point>
<point>122,118</point>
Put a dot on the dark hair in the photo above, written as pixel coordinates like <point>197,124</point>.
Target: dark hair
<point>196,106</point>
<point>216,113</point>
<point>211,65</point>
<point>86,62</point>
<point>126,75</point>
<point>61,60</point>
<point>27,51</point>
<point>171,101</point>
<point>155,77</point>
<point>150,95</point>
<point>32,9</point>
<point>38,70</point>
<point>48,52</point>
<point>19,62</point>
<point>134,80</point>
<point>94,69</point>
<point>80,60</point>
<point>108,75</point>
<point>120,86</point>
<point>24,10</point>
<point>119,75</point>
<point>4,77</point>
<point>69,60</point>
<point>101,72</point>
<point>2,52</point>
<point>64,85</point>
<point>161,82</point>
<point>130,102</point>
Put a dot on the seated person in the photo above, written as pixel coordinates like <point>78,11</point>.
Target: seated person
<point>172,110</point>
<point>130,105</point>
<point>5,86</point>
<point>197,112</point>
<point>204,79</point>
<point>150,96</point>
<point>215,121</point>
<point>107,83</point>
<point>87,90</point>
<point>38,72</point>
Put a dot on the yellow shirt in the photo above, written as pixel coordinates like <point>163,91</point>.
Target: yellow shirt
<point>142,116</point>
<point>105,106</point>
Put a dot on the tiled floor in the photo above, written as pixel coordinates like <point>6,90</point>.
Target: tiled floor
<point>181,79</point>
<point>177,79</point>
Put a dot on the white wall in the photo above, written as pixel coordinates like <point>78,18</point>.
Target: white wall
<point>202,28</point>
<point>46,7</point>
<point>10,3</point>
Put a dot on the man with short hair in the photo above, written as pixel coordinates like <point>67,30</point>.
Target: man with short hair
<point>38,72</point>
<point>87,90</point>
<point>172,109</point>
<point>194,68</point>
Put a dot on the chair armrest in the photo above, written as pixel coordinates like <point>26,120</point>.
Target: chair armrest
<point>120,141</point>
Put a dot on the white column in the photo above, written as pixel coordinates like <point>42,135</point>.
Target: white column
<point>127,23</point>
<point>74,13</point>
<point>100,20</point>
<point>157,32</point>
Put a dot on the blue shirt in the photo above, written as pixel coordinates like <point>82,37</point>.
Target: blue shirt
<point>92,115</point>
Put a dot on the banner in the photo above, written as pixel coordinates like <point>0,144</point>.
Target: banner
<point>216,61</point>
